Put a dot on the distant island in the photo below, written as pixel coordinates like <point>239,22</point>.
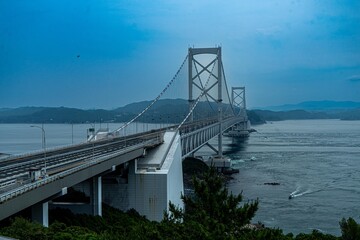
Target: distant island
<point>175,110</point>
<point>321,106</point>
<point>344,110</point>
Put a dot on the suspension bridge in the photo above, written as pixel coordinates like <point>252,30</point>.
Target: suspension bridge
<point>141,170</point>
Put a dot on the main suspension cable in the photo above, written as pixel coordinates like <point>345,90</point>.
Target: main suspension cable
<point>227,91</point>
<point>155,100</point>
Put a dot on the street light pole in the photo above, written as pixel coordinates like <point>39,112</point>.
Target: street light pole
<point>43,143</point>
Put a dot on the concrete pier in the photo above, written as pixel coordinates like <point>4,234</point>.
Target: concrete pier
<point>96,196</point>
<point>151,189</point>
<point>40,213</point>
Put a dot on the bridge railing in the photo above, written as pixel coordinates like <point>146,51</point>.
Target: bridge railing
<point>79,148</point>
<point>191,141</point>
<point>28,187</point>
<point>41,151</point>
<point>187,127</point>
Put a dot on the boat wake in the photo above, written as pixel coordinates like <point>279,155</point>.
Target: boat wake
<point>299,193</point>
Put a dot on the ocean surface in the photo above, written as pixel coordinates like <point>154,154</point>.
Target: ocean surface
<point>316,160</point>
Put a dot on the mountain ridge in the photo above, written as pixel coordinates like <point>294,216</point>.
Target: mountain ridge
<point>165,111</point>
<point>325,105</point>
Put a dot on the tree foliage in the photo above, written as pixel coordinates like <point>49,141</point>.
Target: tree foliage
<point>350,229</point>
<point>211,213</point>
<point>214,207</point>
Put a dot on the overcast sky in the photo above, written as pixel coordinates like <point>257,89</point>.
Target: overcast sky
<point>108,53</point>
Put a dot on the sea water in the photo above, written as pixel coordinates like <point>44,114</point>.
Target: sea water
<point>318,161</point>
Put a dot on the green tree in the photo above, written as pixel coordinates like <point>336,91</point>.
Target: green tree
<point>21,228</point>
<point>315,235</point>
<point>350,229</point>
<point>212,209</point>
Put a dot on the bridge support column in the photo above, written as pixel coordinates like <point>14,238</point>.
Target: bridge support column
<point>40,213</point>
<point>96,196</point>
<point>152,187</point>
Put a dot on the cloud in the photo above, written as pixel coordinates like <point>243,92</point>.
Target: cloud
<point>354,78</point>
<point>269,31</point>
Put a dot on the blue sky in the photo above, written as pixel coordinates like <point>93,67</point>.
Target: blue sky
<point>281,51</point>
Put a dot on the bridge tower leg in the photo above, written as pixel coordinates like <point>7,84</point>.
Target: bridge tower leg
<point>239,102</point>
<point>40,213</point>
<point>242,128</point>
<point>238,98</point>
<point>190,69</point>
<point>197,81</point>
<point>220,108</point>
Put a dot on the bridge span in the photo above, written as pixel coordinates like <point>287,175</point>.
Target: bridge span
<point>67,167</point>
<point>152,158</point>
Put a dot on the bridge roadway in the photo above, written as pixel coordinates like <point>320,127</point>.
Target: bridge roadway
<point>73,161</point>
<point>16,170</point>
<point>85,161</point>
<point>62,159</point>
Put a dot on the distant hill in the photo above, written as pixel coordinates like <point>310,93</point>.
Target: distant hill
<point>349,115</point>
<point>315,106</point>
<point>345,110</point>
<point>290,115</point>
<point>53,115</point>
<point>13,112</point>
<point>167,111</point>
<point>160,105</point>
<point>267,115</point>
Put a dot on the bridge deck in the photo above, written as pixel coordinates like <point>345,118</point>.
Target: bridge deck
<point>154,158</point>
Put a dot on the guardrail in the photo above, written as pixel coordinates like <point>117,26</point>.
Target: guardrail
<point>28,187</point>
<point>56,148</point>
<point>184,128</point>
<point>41,151</point>
<point>7,183</point>
<point>48,158</point>
<point>192,140</point>
<point>98,144</point>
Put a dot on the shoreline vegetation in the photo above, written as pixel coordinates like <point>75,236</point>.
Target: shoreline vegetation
<point>211,212</point>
